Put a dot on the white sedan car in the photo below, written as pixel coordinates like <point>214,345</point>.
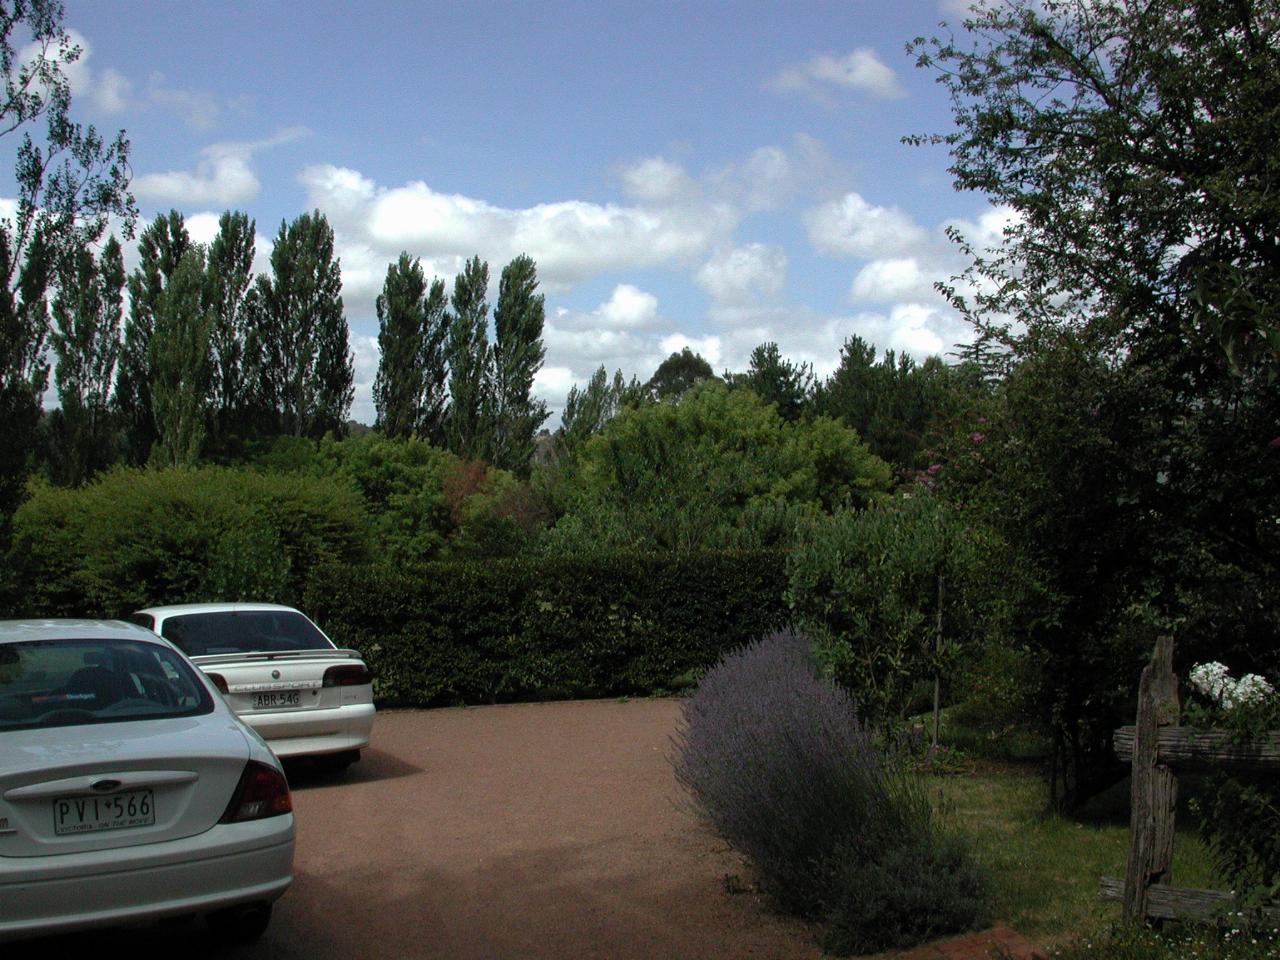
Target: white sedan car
<point>279,672</point>
<point>129,791</point>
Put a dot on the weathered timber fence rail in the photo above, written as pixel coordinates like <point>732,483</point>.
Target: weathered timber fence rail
<point>1157,748</point>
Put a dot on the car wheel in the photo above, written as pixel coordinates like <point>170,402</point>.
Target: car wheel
<point>240,924</point>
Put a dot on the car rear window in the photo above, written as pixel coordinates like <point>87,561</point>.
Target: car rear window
<point>243,631</point>
<point>57,683</point>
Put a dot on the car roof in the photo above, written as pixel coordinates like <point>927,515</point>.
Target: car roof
<point>181,609</point>
<point>13,631</point>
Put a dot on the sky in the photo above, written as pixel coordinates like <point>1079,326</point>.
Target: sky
<point>708,174</point>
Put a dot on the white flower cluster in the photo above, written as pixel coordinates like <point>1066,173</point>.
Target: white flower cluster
<point>1215,682</point>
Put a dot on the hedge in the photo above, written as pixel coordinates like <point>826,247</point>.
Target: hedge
<point>540,627</point>
<point>136,538</point>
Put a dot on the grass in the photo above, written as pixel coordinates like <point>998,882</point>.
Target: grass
<point>1046,867</point>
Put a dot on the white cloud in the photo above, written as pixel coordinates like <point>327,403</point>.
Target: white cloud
<point>113,92</point>
<point>656,180</point>
<point>570,240</point>
<point>889,280</point>
<point>629,307</point>
<point>744,274</point>
<point>222,178</point>
<point>197,108</point>
<point>853,226</point>
<point>860,70</point>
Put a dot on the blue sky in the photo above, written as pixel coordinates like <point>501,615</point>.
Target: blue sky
<point>705,174</point>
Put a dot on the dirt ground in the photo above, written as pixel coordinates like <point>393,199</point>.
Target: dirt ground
<point>526,831</point>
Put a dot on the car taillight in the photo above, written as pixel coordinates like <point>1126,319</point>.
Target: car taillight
<point>262,792</point>
<point>347,675</point>
<point>219,681</point>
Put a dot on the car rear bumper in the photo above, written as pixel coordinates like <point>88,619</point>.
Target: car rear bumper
<point>227,865</point>
<point>302,732</point>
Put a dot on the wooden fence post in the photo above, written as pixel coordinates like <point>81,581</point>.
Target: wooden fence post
<point>1154,792</point>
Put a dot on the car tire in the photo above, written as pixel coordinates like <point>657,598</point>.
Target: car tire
<point>240,924</point>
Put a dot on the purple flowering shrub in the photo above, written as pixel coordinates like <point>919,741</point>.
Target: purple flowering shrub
<point>778,760</point>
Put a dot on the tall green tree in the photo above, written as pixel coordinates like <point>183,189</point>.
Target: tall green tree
<point>897,405</point>
<point>468,353</point>
<point>229,275</point>
<point>87,315</point>
<point>300,352</point>
<point>586,411</point>
<point>678,374</point>
<point>433,404</point>
<point>398,387</point>
<point>777,380</point>
<point>518,353</point>
<point>1137,294</point>
<point>161,247</point>
<point>180,362</point>
<point>67,181</point>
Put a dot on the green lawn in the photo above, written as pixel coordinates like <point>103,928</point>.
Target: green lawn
<point>1045,867</point>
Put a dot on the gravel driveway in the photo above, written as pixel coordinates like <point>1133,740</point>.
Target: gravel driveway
<point>528,831</point>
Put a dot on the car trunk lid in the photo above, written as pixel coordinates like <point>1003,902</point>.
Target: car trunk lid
<point>280,681</point>
<point>95,786</point>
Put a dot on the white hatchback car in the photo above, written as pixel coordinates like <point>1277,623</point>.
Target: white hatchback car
<point>129,791</point>
<point>279,672</point>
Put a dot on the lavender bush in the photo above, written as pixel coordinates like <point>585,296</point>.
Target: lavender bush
<point>778,760</point>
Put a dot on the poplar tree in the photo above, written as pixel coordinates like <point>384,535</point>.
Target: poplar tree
<point>586,411</point>
<point>518,353</point>
<point>397,389</point>
<point>87,313</point>
<point>468,356</point>
<point>161,247</point>
<point>229,275</point>
<point>180,364</point>
<point>433,405</point>
<point>410,389</point>
<point>304,373</point>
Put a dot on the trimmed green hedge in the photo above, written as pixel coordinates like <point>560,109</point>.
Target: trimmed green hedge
<point>540,627</point>
<point>137,538</point>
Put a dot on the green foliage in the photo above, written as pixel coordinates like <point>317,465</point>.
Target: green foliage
<point>402,484</point>
<point>1128,462</point>
<point>777,380</point>
<point>470,631</point>
<point>228,279</point>
<point>398,388</point>
<point>911,893</point>
<point>299,354</point>
<point>702,471</point>
<point>586,411</point>
<point>888,594</point>
<point>518,353</point>
<point>139,537</point>
<point>678,374</point>
<point>161,247</point>
<point>67,182</point>
<point>179,365</point>
<point>468,353</point>
<point>896,405</point>
<point>87,313</point>
<point>1106,128</point>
